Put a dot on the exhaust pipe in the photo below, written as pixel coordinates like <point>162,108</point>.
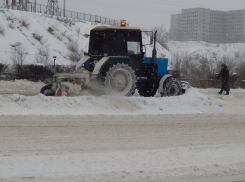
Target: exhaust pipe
<point>154,52</point>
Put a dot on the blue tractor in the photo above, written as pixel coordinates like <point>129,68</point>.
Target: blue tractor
<point>116,64</point>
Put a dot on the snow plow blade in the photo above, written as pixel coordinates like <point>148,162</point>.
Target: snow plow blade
<point>58,92</point>
<point>184,86</point>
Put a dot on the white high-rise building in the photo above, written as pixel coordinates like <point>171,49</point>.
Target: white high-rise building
<point>201,24</point>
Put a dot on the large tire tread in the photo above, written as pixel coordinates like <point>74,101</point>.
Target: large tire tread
<point>108,71</point>
<point>170,81</point>
<point>47,87</point>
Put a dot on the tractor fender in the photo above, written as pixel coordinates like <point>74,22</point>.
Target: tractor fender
<point>103,60</point>
<point>160,88</point>
<point>81,62</point>
<point>98,65</point>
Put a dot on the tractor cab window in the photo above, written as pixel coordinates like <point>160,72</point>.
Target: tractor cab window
<point>133,42</point>
<point>133,47</point>
<point>97,43</point>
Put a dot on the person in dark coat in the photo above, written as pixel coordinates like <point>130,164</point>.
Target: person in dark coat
<point>224,73</point>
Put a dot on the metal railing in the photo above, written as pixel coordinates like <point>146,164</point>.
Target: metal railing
<point>76,16</point>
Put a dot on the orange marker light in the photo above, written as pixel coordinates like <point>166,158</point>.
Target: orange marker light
<point>123,23</point>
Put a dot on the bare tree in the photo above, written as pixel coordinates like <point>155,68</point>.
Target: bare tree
<point>19,54</point>
<point>74,54</point>
<point>43,56</point>
<point>229,61</point>
<point>241,67</point>
<point>37,36</point>
<point>24,22</point>
<point>181,61</point>
<point>192,66</point>
<point>2,30</point>
<point>11,25</point>
<point>161,36</point>
<point>240,62</point>
<point>175,62</point>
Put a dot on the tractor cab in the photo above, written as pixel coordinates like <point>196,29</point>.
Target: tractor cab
<point>116,43</point>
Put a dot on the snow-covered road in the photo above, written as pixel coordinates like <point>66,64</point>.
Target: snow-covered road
<point>122,148</point>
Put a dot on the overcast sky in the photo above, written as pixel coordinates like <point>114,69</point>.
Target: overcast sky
<point>145,13</point>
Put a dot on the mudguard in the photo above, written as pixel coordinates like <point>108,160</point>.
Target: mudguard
<point>81,62</point>
<point>160,88</point>
<point>98,65</point>
<point>103,60</point>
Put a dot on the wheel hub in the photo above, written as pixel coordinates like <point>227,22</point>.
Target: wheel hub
<point>172,89</point>
<point>120,81</point>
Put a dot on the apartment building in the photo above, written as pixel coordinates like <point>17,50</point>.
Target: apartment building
<point>201,24</point>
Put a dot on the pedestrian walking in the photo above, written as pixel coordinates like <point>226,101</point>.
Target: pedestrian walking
<point>224,73</point>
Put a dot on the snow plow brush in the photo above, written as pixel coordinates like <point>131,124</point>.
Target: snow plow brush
<point>68,84</point>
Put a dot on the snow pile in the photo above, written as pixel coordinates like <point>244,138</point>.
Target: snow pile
<point>20,87</point>
<point>41,37</point>
<point>190,103</point>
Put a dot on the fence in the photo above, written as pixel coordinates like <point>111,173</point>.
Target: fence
<point>76,16</point>
<point>234,82</point>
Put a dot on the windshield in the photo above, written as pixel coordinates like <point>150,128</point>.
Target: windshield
<point>97,43</point>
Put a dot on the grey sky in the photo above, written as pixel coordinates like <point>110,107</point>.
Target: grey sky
<point>145,13</point>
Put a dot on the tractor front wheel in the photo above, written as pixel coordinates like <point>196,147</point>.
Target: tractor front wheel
<point>171,87</point>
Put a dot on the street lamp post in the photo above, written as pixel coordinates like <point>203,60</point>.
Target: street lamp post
<point>54,57</point>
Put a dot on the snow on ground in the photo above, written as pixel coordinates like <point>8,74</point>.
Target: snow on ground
<point>171,163</point>
<point>151,148</point>
<point>55,42</point>
<point>194,101</point>
<point>198,136</point>
<point>212,52</point>
<point>207,50</point>
<point>23,87</point>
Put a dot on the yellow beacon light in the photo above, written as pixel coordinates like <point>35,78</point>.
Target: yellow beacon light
<point>123,23</point>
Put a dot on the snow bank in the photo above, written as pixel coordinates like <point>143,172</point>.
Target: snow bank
<point>20,87</point>
<point>190,103</point>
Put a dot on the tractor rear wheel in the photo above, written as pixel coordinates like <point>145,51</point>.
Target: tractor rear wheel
<point>119,79</point>
<point>147,88</point>
<point>171,87</point>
